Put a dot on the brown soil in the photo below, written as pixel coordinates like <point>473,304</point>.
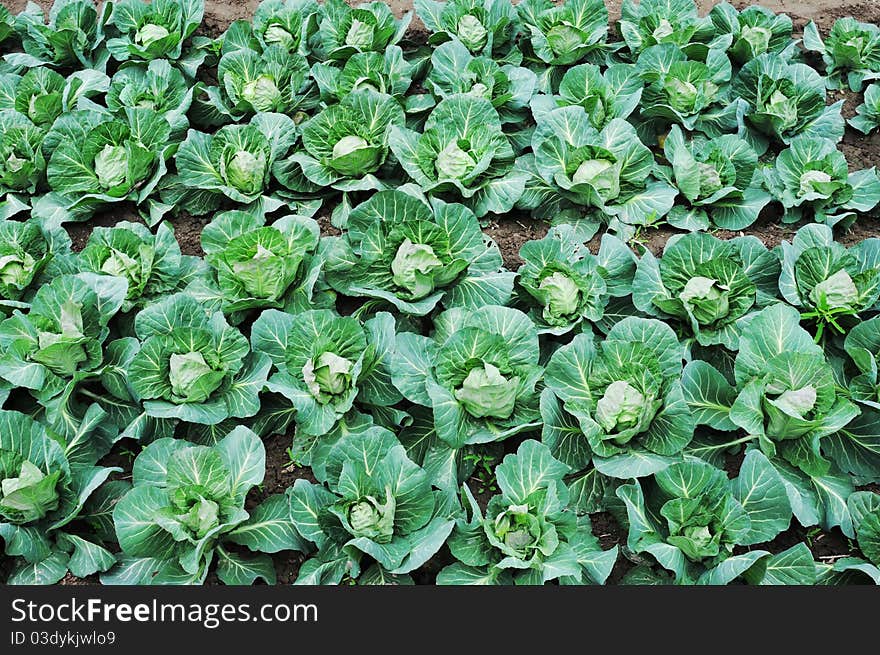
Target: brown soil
<point>826,546</point>
<point>327,228</point>
<point>71,580</point>
<point>188,230</point>
<point>608,531</point>
<point>80,232</point>
<point>510,233</point>
<point>281,473</point>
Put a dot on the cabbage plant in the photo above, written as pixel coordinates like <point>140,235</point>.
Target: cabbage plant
<point>851,448</point>
<point>788,398</point>
<point>42,95</point>
<point>60,338</point>
<point>192,365</point>
<point>151,264</point>
<point>626,399</point>
<point>707,285</point>
<point>100,160</point>
<point>154,30</point>
<point>400,250</point>
<point>325,362</point>
<point>25,250</point>
<point>862,344</point>
<point>690,519</point>
<point>73,37</point>
<point>685,92</point>
<point>484,27</point>
<point>718,177</point>
<point>454,70</point>
<point>273,80</point>
<point>614,93</point>
<point>575,166</point>
<point>527,535</point>
<point>22,163</point>
<point>756,31</point>
<point>259,265</point>
<point>368,27</point>
<point>851,52</point>
<point>344,145</point>
<point>235,163</point>
<point>563,284</point>
<point>39,95</point>
<point>387,73</point>
<point>157,86</point>
<point>478,373</point>
<point>374,504</point>
<point>812,178</point>
<point>784,394</point>
<point>289,24</point>
<point>462,156</point>
<point>567,33</point>
<point>186,510</point>
<point>7,24</point>
<point>785,101</point>
<point>44,483</point>
<point>833,286</point>
<point>867,118</point>
<point>648,23</point>
<point>864,506</point>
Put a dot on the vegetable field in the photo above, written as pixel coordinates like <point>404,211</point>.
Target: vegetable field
<point>458,292</point>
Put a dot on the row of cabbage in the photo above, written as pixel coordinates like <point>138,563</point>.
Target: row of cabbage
<point>675,363</point>
<point>698,121</point>
<point>402,355</point>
